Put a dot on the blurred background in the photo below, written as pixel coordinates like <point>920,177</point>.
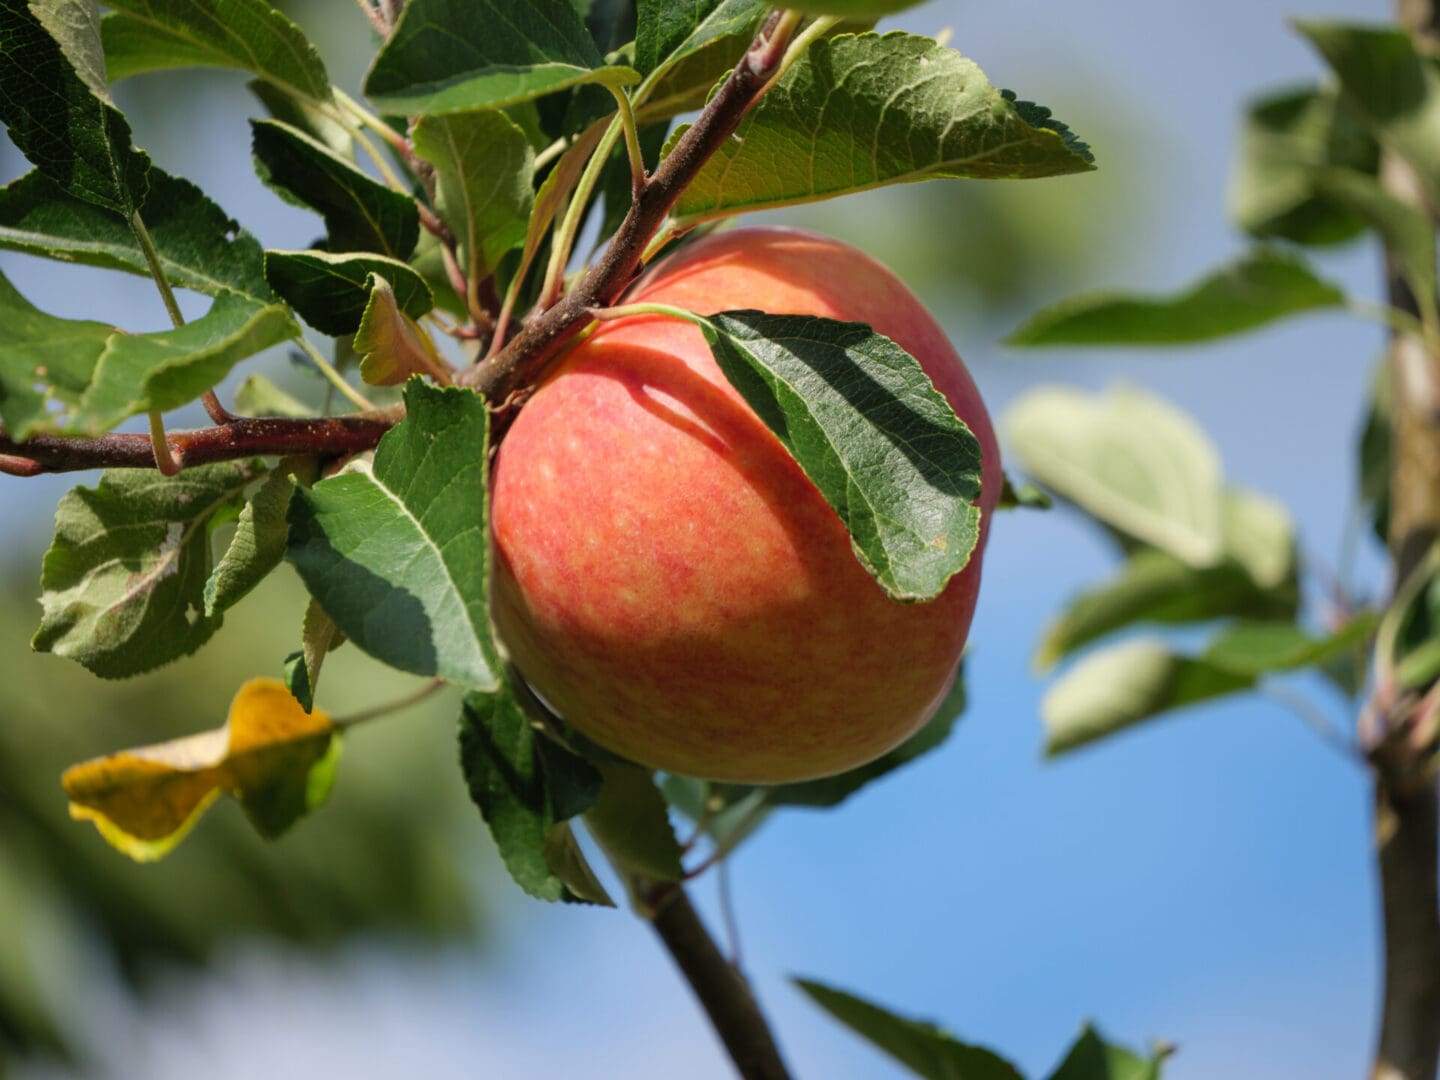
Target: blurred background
<point>1204,881</point>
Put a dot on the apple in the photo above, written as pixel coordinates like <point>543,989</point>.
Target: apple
<point>666,576</point>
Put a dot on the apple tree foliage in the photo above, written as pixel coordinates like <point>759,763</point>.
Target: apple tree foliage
<point>452,190</point>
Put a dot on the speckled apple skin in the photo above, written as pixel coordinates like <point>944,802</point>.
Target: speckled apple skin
<point>667,577</point>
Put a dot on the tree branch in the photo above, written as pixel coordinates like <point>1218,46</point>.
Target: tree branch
<point>521,361</point>
<point>721,988</point>
<point>1405,788</point>
<point>241,438</point>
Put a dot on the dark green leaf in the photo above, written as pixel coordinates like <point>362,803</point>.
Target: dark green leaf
<point>1394,85</point>
<point>1260,288</point>
<point>257,547</point>
<point>1256,648</point>
<point>1373,455</point>
<point>927,1050</point>
<point>856,9</point>
<point>360,214</point>
<point>200,247</point>
<point>75,26</point>
<point>1026,496</point>
<point>151,35</point>
<point>667,32</point>
<point>870,431</point>
<point>524,785</point>
<point>1123,685</point>
<point>124,580</point>
<point>1288,138</point>
<point>858,112</point>
<point>1092,1058</point>
<point>632,824</point>
<point>563,854</point>
<point>1131,460</point>
<point>396,552</point>
<point>1407,642</point>
<point>449,56</point>
<point>484,173</point>
<point>74,137</point>
<point>329,291</point>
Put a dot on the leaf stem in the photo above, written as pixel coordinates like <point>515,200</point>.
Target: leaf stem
<point>334,377</point>
<point>359,119</point>
<point>802,41</point>
<point>632,142</point>
<point>415,697</point>
<point>563,241</point>
<point>167,465</point>
<point>625,311</point>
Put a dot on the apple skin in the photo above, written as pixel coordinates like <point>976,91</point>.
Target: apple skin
<point>668,578</point>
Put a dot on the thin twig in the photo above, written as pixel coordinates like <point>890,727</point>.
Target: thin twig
<point>415,697</point>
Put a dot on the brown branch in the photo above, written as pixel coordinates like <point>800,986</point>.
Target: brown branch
<point>521,361</point>
<point>722,990</point>
<point>241,438</point>
<point>1405,787</point>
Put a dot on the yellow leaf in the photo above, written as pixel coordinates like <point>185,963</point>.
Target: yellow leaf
<point>391,344</point>
<point>277,760</point>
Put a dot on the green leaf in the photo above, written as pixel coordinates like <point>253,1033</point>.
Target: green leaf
<point>685,85</point>
<point>1259,288</point>
<point>833,790</point>
<point>257,547</point>
<point>200,247</point>
<point>1123,685</point>
<point>858,112</point>
<point>391,346</point>
<point>124,580</point>
<point>484,173</point>
<point>1259,534</point>
<point>449,56</point>
<point>1130,460</point>
<point>1395,86</point>
<point>871,432</point>
<point>360,214</point>
<point>1154,586</point>
<point>330,291</point>
<point>611,23</point>
<point>1257,648</point>
<point>632,824</point>
<point>563,854</point>
<point>925,1049</point>
<point>1373,455</point>
<point>396,552</point>
<point>524,785</point>
<point>277,761</point>
<point>77,139</point>
<point>1026,496</point>
<point>1407,642</point>
<point>301,113</point>
<point>73,377</point>
<point>1288,139</point>
<point>319,637</point>
<point>666,32</point>
<point>75,26</point>
<point>161,371</point>
<point>152,35</point>
<point>1092,1058</point>
<point>258,396</point>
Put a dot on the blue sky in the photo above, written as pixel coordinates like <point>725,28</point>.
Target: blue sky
<point>1204,881</point>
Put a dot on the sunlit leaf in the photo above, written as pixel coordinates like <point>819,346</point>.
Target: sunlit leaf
<point>873,434</point>
<point>1120,686</point>
<point>391,345</point>
<point>275,759</point>
<point>123,584</point>
<point>1092,1058</point>
<point>396,551</point>
<point>151,35</point>
<point>1257,289</point>
<point>858,112</point>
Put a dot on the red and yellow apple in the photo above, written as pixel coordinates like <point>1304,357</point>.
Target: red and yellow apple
<point>666,576</point>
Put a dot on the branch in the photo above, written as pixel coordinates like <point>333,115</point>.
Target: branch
<point>1405,788</point>
<point>521,361</point>
<point>722,989</point>
<point>242,438</point>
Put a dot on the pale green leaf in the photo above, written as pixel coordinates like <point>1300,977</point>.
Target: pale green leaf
<point>257,547</point>
<point>449,56</point>
<point>396,552</point>
<point>1129,459</point>
<point>922,1047</point>
<point>1263,286</point>
<point>199,246</point>
<point>871,432</point>
<point>361,214</point>
<point>258,396</point>
<point>123,584</point>
<point>484,168</point>
<point>75,26</point>
<point>1256,648</point>
<point>859,112</point>
<point>151,35</point>
<point>331,290</point>
<point>1120,686</point>
<point>390,344</point>
<point>1092,1058</point>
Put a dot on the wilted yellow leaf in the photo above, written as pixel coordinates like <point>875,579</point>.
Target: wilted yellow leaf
<point>271,755</point>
